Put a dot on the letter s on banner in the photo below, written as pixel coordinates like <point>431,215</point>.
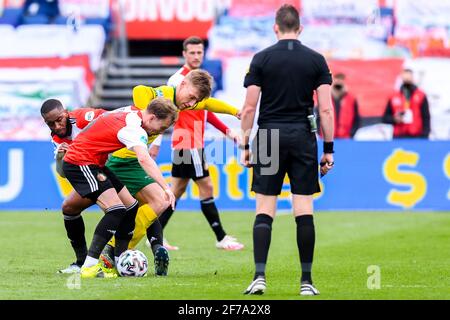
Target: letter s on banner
<point>447,171</point>
<point>414,180</point>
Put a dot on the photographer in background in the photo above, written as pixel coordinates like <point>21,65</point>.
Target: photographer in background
<point>407,110</point>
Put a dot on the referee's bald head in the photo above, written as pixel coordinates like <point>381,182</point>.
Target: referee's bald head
<point>287,18</point>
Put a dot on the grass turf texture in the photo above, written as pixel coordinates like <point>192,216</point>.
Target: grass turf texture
<point>411,249</point>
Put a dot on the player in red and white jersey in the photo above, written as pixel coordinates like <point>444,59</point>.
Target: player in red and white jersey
<point>188,144</point>
<point>65,126</point>
<point>84,167</point>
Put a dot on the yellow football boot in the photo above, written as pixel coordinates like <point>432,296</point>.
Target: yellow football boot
<point>98,271</point>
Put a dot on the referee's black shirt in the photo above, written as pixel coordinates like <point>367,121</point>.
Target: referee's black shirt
<point>288,73</point>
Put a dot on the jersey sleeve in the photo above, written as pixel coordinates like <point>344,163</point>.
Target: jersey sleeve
<point>323,72</point>
<point>157,141</point>
<point>84,116</point>
<point>142,95</point>
<point>132,134</point>
<point>254,76</point>
<point>175,80</point>
<point>216,105</point>
<point>219,125</point>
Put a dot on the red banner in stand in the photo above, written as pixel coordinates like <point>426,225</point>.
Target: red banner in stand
<point>168,19</point>
<point>371,81</point>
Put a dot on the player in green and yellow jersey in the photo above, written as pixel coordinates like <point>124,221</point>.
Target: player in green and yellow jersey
<point>193,93</point>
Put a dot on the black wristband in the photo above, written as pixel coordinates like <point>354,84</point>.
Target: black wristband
<point>244,146</point>
<point>328,147</point>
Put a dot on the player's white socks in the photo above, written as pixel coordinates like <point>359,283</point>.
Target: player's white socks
<point>89,262</point>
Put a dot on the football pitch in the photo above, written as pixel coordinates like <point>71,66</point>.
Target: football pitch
<point>359,255</point>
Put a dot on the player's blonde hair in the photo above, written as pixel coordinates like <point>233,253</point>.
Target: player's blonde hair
<point>163,108</point>
<point>202,81</point>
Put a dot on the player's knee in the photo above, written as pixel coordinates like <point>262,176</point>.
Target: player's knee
<point>69,209</point>
<point>206,190</point>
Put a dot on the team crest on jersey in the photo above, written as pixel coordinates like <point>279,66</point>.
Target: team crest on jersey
<point>89,116</point>
<point>159,93</point>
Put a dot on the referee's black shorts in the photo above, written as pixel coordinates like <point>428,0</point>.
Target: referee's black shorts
<point>189,163</point>
<point>90,181</point>
<point>296,156</point>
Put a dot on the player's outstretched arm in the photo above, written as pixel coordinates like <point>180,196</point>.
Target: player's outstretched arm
<point>151,168</point>
<point>222,127</point>
<point>217,106</point>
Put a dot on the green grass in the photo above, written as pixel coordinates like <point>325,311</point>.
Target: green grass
<point>412,251</point>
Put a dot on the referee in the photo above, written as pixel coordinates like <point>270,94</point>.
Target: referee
<point>286,76</point>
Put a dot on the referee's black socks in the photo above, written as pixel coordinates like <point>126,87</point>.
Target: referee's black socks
<point>262,234</point>
<point>75,232</point>
<point>306,238</point>
<point>211,214</point>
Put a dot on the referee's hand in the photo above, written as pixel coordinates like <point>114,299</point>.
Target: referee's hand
<point>326,163</point>
<point>245,158</point>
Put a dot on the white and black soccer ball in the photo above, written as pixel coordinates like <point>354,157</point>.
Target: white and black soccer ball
<point>132,263</point>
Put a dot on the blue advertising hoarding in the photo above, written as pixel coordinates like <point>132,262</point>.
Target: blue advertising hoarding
<point>388,175</point>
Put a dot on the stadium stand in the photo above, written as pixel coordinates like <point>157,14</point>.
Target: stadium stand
<point>39,60</point>
<point>11,16</point>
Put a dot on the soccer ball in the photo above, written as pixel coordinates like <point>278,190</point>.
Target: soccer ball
<point>132,263</point>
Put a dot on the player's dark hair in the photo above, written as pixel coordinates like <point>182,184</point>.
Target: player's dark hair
<point>202,81</point>
<point>192,40</point>
<point>408,70</point>
<point>49,105</point>
<point>287,18</point>
<point>163,108</point>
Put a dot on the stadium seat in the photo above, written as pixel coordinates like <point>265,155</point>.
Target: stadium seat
<point>104,22</point>
<point>11,16</point>
<point>35,19</point>
<point>214,67</point>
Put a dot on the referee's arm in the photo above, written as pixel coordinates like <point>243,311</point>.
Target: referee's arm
<point>247,118</point>
<point>326,112</point>
<point>327,125</point>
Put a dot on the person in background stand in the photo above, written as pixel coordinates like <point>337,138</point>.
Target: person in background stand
<point>346,113</point>
<point>408,110</point>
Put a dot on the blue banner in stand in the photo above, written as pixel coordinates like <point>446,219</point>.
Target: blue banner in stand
<point>394,175</point>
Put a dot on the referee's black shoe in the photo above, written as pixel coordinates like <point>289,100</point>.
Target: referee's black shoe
<point>307,289</point>
<point>258,286</point>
